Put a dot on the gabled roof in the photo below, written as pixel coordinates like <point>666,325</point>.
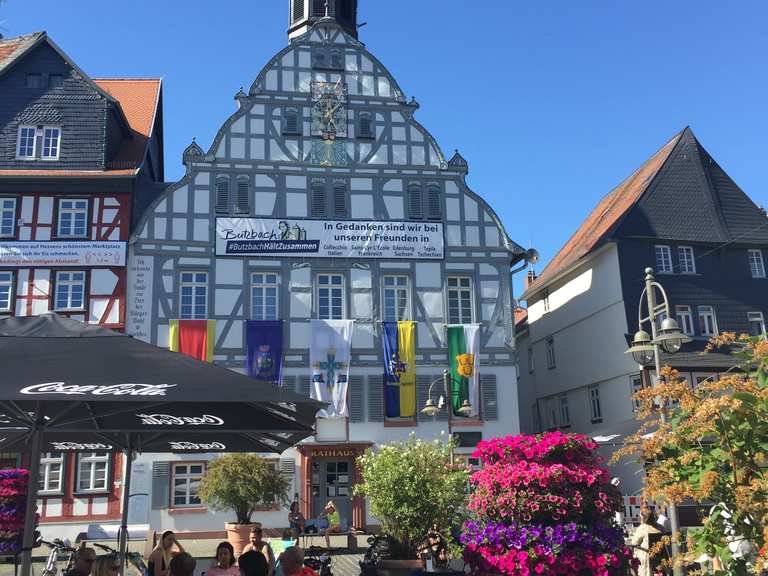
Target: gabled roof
<point>679,194</point>
<point>12,48</point>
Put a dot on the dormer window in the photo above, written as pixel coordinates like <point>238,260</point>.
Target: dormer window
<point>38,142</point>
<point>51,143</point>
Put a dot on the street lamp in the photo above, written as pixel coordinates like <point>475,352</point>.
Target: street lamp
<point>430,408</point>
<point>646,348</point>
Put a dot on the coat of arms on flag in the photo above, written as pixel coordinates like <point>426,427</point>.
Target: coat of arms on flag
<point>330,371</point>
<point>399,342</point>
<point>329,356</point>
<point>264,346</point>
<point>463,347</point>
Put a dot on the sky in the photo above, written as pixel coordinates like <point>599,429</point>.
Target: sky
<point>552,103</point>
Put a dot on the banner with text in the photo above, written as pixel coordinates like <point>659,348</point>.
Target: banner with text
<point>329,238</point>
<point>60,254</point>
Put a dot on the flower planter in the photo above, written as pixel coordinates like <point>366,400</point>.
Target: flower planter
<point>238,535</point>
<point>398,567</point>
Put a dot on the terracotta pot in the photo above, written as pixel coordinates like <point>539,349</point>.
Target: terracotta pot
<point>238,535</point>
<point>398,567</point>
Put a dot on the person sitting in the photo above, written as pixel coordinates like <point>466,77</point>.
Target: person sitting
<point>296,520</point>
<point>84,559</point>
<point>334,521</point>
<point>253,563</point>
<point>183,565</point>
<point>260,545</point>
<point>225,561</point>
<point>160,560</point>
<point>106,566</point>
<point>292,563</point>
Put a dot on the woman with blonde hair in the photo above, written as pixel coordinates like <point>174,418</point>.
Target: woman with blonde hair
<point>160,560</point>
<point>106,566</point>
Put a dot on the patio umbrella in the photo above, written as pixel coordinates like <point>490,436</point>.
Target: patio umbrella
<point>61,376</point>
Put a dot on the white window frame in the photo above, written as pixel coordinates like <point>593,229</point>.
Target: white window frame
<point>260,283</point>
<point>704,312</point>
<point>551,361</point>
<point>330,287</point>
<point>564,411</point>
<point>47,463</point>
<point>188,477</point>
<point>92,459</point>
<point>196,286</point>
<point>663,255</point>
<point>7,279</point>
<point>595,408</point>
<point>76,209</point>
<point>455,292</point>
<point>756,263</point>
<point>757,316</point>
<point>46,145</point>
<point>19,155</point>
<point>684,318</point>
<point>69,282</point>
<point>687,259</point>
<point>399,290</point>
<point>8,209</point>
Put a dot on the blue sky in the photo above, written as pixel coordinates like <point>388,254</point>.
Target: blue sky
<point>553,103</point>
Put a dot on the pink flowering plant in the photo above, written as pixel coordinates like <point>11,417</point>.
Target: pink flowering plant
<point>13,499</point>
<point>543,505</point>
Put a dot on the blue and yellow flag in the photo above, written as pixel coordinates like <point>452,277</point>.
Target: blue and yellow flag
<point>400,368</point>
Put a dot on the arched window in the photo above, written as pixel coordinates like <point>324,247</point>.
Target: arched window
<point>318,202</point>
<point>222,194</point>
<point>339,198</point>
<point>415,205</point>
<point>291,121</point>
<point>365,125</point>
<point>243,204</point>
<point>434,203</point>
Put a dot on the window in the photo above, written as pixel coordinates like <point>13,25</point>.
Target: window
<point>685,257</point>
<point>51,473</point>
<point>415,205</point>
<point>637,385</point>
<point>298,10</point>
<point>34,80</point>
<point>337,59</point>
<point>663,259</point>
<point>550,352</point>
<point>459,300</point>
<point>92,469</point>
<point>194,296</point>
<point>317,201</point>
<point>434,202</point>
<point>756,323</point>
<point>330,296</point>
<point>318,8</point>
<point>291,121</point>
<point>7,217</point>
<point>6,291</point>
<point>55,80</point>
<point>222,195</point>
<point>264,287</point>
<point>684,319</point>
<point>396,304</point>
<point>26,147</point>
<point>186,484</point>
<point>530,360</point>
<point>73,218</point>
<point>707,321</point>
<point>756,266</point>
<point>243,192</point>
<point>551,411</point>
<point>339,199</point>
<point>70,291</point>
<point>51,143</point>
<point>365,125</point>
<point>536,417</point>
<point>565,413</point>
<point>595,411</point>
<point>545,300</point>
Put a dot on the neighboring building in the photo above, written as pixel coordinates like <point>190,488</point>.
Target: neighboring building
<point>79,159</point>
<point>680,214</point>
<point>325,137</point>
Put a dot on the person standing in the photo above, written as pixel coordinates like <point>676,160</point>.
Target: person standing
<point>159,563</point>
<point>641,541</point>
<point>259,545</point>
<point>225,562</point>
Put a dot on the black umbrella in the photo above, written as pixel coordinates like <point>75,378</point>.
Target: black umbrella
<point>61,377</point>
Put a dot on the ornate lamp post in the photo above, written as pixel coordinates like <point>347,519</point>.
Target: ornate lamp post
<point>645,348</point>
<point>430,408</point>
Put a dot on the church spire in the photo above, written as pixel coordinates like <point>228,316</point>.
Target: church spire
<point>304,13</point>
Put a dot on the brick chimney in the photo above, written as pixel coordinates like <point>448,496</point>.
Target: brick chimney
<point>530,278</point>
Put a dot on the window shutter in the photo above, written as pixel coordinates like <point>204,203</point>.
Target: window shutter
<point>291,121</point>
<point>415,209</point>
<point>489,397</point>
<point>243,190</point>
<point>434,207</point>
<point>356,398</point>
<point>376,399</point>
<point>290,383</point>
<point>222,195</point>
<point>339,199</point>
<point>365,125</point>
<point>298,10</point>
<point>318,200</point>
<point>303,387</point>
<point>422,389</point>
<point>161,484</point>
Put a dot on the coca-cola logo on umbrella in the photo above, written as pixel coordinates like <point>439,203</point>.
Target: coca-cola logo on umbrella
<point>197,446</point>
<point>170,420</point>
<point>80,446</point>
<point>93,390</point>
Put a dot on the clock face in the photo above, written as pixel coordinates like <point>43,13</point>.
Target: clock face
<point>329,153</point>
<point>329,109</point>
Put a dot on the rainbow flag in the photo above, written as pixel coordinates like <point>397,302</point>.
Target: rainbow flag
<point>400,368</point>
<point>192,337</point>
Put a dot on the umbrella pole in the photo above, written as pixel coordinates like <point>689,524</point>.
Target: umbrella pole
<point>126,498</point>
<point>29,514</point>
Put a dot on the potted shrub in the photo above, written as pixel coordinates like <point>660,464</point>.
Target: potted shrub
<point>242,483</point>
<point>412,488</point>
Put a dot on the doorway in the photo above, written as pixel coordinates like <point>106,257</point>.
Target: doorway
<point>332,480</point>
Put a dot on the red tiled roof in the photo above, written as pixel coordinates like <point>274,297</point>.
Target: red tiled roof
<point>606,214</point>
<point>520,314</point>
<point>12,48</point>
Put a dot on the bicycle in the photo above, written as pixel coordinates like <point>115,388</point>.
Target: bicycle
<point>58,548</point>
<point>318,560</point>
<point>134,558</point>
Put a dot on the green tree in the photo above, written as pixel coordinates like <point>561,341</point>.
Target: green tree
<point>411,487</point>
<point>242,483</point>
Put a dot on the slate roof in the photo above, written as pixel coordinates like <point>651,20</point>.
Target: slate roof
<point>680,193</point>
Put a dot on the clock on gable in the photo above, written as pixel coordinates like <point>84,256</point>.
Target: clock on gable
<point>329,109</point>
